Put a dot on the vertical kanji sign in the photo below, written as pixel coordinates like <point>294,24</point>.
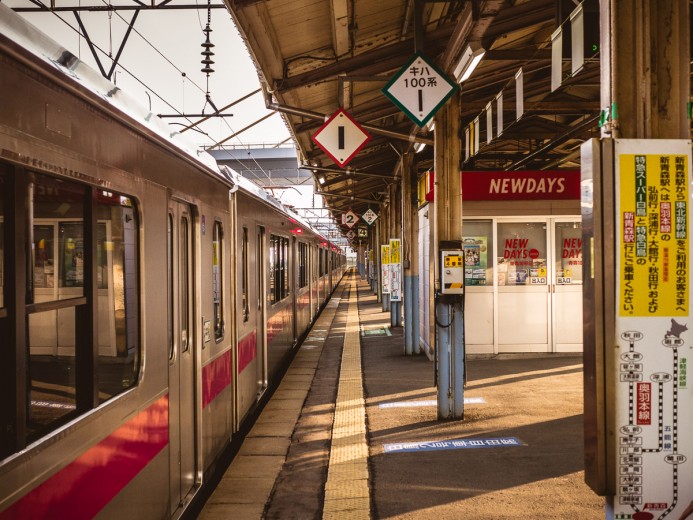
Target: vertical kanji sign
<point>653,450</point>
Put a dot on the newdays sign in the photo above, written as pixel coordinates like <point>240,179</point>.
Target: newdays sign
<point>521,185</point>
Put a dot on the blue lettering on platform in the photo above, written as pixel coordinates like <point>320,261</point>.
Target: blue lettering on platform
<point>429,402</point>
<point>457,444</point>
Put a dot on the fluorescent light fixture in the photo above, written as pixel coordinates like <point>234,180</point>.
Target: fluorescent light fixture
<point>321,179</point>
<point>419,147</point>
<point>470,58</point>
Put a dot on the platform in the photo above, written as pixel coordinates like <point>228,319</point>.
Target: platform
<point>353,433</point>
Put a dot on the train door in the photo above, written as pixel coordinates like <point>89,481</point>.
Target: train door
<point>181,298</point>
<point>261,313</point>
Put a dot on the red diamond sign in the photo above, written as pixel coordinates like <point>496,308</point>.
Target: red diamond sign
<point>341,137</point>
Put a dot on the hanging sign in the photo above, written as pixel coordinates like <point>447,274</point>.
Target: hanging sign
<point>362,232</point>
<point>369,216</point>
<point>341,137</point>
<point>653,453</point>
<point>419,89</point>
<point>351,234</point>
<point>350,219</point>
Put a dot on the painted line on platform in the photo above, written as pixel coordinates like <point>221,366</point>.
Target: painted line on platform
<point>427,402</point>
<point>456,444</point>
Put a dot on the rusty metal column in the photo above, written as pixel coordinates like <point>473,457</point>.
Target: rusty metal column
<point>449,317</point>
<point>410,254</point>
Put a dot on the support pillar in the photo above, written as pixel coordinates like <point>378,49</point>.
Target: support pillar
<point>410,256</point>
<point>449,322</point>
<point>396,232</point>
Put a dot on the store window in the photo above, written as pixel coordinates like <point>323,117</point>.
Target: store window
<point>521,253</point>
<point>568,253</point>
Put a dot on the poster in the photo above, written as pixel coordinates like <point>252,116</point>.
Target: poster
<point>653,453</point>
<point>475,260</point>
<point>395,270</point>
<point>385,267</point>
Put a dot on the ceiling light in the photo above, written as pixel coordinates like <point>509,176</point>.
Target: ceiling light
<point>470,58</point>
<point>321,179</point>
<point>419,146</point>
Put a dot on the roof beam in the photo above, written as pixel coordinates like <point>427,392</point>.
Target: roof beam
<point>399,51</point>
<point>340,26</point>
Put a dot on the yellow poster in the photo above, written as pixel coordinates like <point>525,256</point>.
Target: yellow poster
<point>384,255</point>
<point>395,248</point>
<point>654,228</point>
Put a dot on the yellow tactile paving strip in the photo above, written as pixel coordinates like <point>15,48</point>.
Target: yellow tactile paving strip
<point>347,494</point>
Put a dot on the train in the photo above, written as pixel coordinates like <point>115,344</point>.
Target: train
<point>150,298</point>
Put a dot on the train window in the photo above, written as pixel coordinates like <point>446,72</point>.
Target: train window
<point>184,282</point>
<point>244,274</point>
<point>217,280</point>
<point>279,268</point>
<point>171,293</point>
<point>285,268</point>
<point>272,257</point>
<point>66,372</point>
<point>118,305</point>
<point>302,265</point>
<point>2,242</point>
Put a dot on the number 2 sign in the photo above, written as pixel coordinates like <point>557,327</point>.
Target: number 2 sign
<point>350,219</point>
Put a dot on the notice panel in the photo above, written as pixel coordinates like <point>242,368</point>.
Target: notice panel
<point>653,436</point>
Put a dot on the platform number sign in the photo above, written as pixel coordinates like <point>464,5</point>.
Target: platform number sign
<point>350,219</point>
<point>341,137</point>
<point>419,89</point>
<point>369,217</point>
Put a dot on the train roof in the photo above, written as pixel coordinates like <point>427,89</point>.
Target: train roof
<point>33,41</point>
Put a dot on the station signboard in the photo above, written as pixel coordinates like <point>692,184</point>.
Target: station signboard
<point>653,445</point>
<point>419,89</point>
<point>341,137</point>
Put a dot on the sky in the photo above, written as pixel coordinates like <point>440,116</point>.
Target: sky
<point>165,58</point>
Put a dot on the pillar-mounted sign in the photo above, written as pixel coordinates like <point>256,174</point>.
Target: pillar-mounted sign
<point>643,411</point>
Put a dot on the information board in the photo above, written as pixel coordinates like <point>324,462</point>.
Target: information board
<point>395,270</point>
<point>653,401</point>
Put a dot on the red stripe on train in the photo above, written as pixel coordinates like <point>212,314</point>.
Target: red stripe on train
<point>215,377</point>
<point>247,350</point>
<point>92,480</point>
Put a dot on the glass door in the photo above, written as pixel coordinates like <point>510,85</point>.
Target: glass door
<point>566,280</point>
<point>524,301</point>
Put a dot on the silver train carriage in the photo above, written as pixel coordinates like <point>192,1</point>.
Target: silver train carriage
<point>148,298</point>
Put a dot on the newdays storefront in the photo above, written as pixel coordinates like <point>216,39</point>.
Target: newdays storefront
<point>522,244</point>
